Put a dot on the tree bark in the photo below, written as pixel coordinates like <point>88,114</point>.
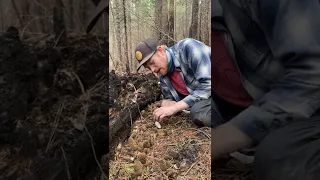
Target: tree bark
<point>171,22</point>
<point>193,32</point>
<point>17,13</point>
<point>158,20</point>
<point>126,38</point>
<point>165,22</point>
<point>118,29</point>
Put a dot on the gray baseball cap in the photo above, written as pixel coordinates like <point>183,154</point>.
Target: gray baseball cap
<point>145,50</point>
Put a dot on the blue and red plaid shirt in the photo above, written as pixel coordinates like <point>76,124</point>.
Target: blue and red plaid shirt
<point>193,59</point>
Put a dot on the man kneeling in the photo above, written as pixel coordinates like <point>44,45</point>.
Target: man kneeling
<point>185,77</point>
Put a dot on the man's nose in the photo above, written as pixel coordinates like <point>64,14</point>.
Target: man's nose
<point>152,69</point>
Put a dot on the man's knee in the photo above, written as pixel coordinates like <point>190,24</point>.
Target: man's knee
<point>269,154</point>
<point>200,113</point>
<point>284,155</point>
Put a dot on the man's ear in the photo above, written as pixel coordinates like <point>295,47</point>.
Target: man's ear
<point>160,48</point>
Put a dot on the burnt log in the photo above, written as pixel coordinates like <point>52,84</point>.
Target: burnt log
<point>149,92</point>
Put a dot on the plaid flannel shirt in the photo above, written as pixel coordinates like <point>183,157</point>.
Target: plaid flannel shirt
<point>277,47</point>
<point>193,59</point>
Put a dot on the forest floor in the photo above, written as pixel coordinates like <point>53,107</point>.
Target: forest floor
<point>178,150</point>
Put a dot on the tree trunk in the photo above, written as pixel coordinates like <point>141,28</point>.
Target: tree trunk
<point>158,20</point>
<point>171,22</point>
<point>193,32</point>
<point>118,29</point>
<point>207,26</point>
<point>200,24</point>
<point>186,20</point>
<point>126,38</point>
<point>71,13</point>
<point>58,23</point>
<point>165,22</point>
<point>131,59</point>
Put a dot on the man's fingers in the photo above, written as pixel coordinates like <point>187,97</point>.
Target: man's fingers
<point>161,117</point>
<point>156,114</point>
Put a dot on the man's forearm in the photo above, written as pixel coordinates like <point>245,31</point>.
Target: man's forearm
<point>179,106</point>
<point>166,102</point>
<point>227,139</point>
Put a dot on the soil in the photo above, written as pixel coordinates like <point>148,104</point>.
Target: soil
<point>179,150</point>
<point>53,106</point>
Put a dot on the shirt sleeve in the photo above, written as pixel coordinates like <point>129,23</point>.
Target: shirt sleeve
<point>197,56</point>
<point>166,91</point>
<point>292,31</point>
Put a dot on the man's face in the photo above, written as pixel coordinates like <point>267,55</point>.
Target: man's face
<point>158,63</point>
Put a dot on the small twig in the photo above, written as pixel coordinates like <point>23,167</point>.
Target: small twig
<point>55,127</point>
<point>191,167</point>
<point>195,163</point>
<point>80,83</point>
<point>208,136</point>
<point>94,153</point>
<point>58,39</point>
<point>65,158</point>
<point>25,27</point>
<point>78,80</point>
<point>130,84</point>
<point>36,2</point>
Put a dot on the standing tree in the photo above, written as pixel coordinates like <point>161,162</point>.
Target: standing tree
<point>158,19</point>
<point>193,32</point>
<point>171,22</point>
<point>126,38</point>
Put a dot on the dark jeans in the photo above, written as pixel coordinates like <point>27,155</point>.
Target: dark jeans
<point>289,153</point>
<point>200,113</point>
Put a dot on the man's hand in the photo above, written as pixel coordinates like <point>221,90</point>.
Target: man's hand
<point>166,103</point>
<point>169,110</point>
<point>162,112</point>
<point>226,139</point>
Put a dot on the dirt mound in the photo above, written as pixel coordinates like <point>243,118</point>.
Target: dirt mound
<point>53,106</point>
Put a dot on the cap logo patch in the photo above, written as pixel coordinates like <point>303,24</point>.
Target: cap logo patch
<point>138,55</point>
